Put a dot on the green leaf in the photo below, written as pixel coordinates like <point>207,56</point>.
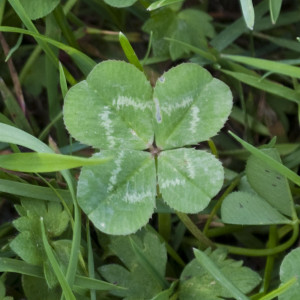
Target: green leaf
<point>14,108</point>
<point>248,12</point>
<point>2,289</point>
<point>189,178</point>
<point>272,163</point>
<point>275,6</point>
<point>191,106</point>
<point>249,209</point>
<point>120,3</point>
<point>39,8</point>
<point>268,183</point>
<point>129,52</point>
<point>207,277</point>
<point>84,62</point>
<point>232,32</point>
<point>135,276</point>
<point>67,291</point>
<point>162,3</point>
<point>28,243</point>
<point>267,65</point>
<point>183,26</point>
<point>119,198</point>
<point>45,162</point>
<point>21,267</point>
<point>37,289</point>
<point>33,191</point>
<point>290,268</point>
<point>112,108</point>
<point>265,85</point>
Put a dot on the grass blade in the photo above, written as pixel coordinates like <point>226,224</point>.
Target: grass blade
<point>21,267</point>
<point>267,65</point>
<point>211,268</point>
<point>44,162</point>
<point>84,62</point>
<point>12,135</point>
<point>129,52</point>
<point>275,6</point>
<point>248,12</point>
<point>33,191</point>
<point>62,80</point>
<point>275,165</point>
<point>53,262</point>
<point>265,85</point>
<point>14,108</point>
<point>236,29</point>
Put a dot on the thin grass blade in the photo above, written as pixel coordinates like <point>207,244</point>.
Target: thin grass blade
<point>44,162</point>
<point>58,272</point>
<point>211,268</point>
<point>266,85</point>
<point>267,65</point>
<point>129,52</point>
<point>280,168</point>
<point>275,6</point>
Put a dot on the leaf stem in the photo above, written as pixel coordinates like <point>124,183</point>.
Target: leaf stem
<point>216,208</point>
<point>195,231</point>
<point>265,252</point>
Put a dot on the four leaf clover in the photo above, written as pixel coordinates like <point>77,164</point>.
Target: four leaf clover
<point>149,132</point>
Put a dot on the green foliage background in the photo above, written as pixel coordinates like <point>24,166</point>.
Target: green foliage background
<point>50,248</point>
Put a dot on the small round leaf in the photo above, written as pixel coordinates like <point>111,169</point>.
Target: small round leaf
<point>39,8</point>
<point>189,178</point>
<point>191,106</point>
<point>120,3</point>
<point>112,108</point>
<point>119,196</point>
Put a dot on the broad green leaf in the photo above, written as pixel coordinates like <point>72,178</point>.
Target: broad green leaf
<point>265,85</point>
<point>162,3</point>
<point>191,106</point>
<point>112,108</point>
<point>45,162</point>
<point>135,276</point>
<point>272,163</point>
<point>183,26</point>
<point>275,6</point>
<point>37,289</point>
<point>119,198</point>
<point>248,12</point>
<point>269,184</point>
<point>197,283</point>
<point>28,243</point>
<point>39,8</point>
<point>120,3</point>
<point>189,178</point>
<point>249,209</point>
<point>267,65</point>
<point>166,294</point>
<point>290,268</point>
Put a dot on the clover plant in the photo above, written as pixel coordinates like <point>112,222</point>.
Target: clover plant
<point>149,132</point>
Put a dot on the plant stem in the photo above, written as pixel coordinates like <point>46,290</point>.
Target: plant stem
<point>195,231</point>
